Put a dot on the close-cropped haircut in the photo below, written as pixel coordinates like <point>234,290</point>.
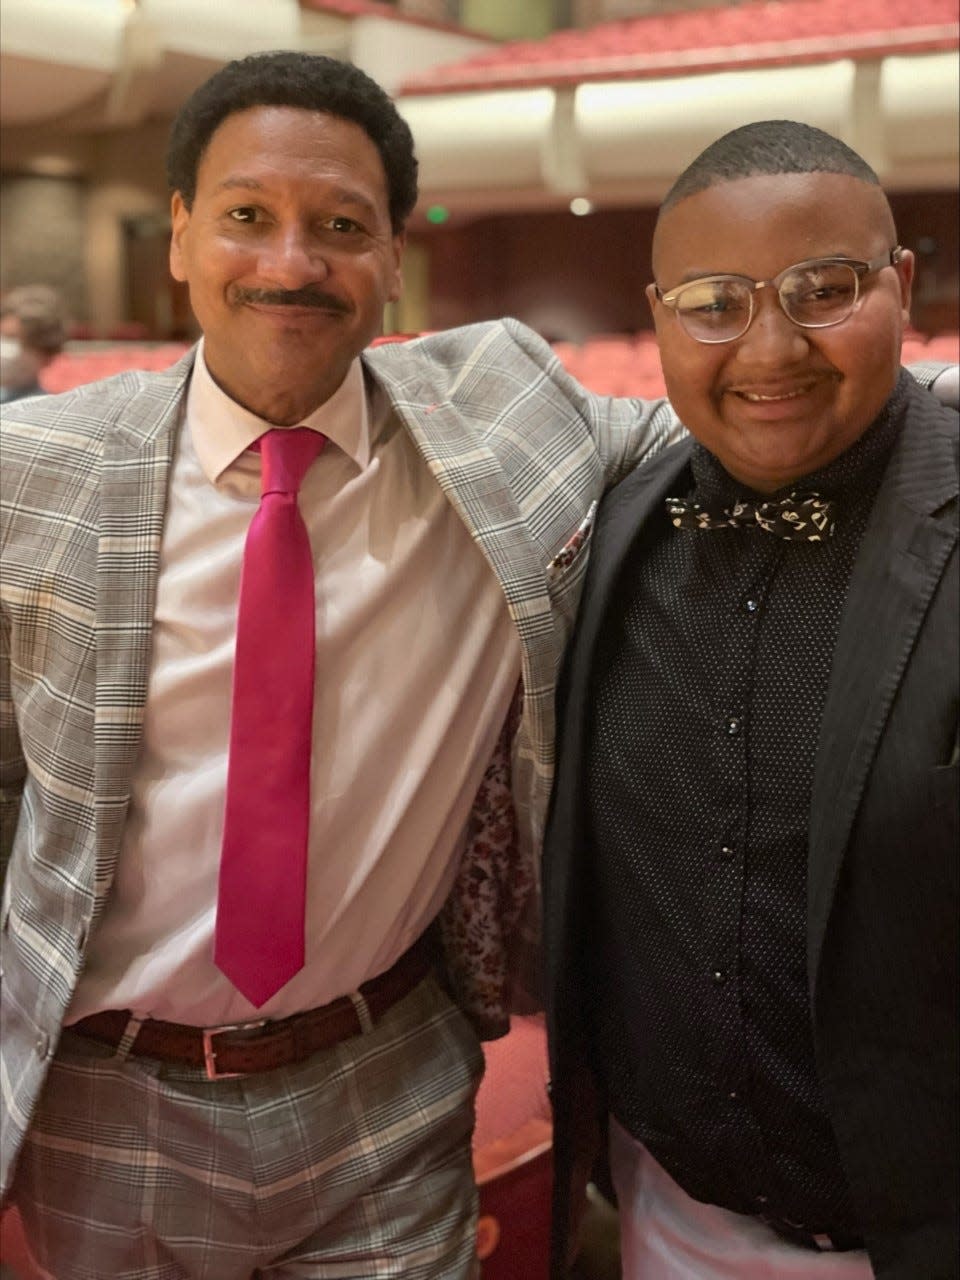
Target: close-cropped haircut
<point>306,81</point>
<point>768,147</point>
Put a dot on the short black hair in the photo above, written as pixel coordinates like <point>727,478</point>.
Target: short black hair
<point>310,82</point>
<point>768,147</point>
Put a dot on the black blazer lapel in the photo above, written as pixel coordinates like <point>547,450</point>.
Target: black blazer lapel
<point>902,557</point>
<point>622,514</point>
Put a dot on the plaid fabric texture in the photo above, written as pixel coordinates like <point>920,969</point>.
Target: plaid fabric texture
<point>355,1164</point>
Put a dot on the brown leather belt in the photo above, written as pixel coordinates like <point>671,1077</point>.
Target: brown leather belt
<point>245,1048</point>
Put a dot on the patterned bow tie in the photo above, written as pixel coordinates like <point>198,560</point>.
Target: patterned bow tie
<point>800,517</point>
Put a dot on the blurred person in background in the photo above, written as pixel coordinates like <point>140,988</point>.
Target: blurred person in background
<point>33,330</point>
<point>750,869</point>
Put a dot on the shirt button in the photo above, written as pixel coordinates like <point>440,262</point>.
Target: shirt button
<point>732,1095</point>
<point>726,853</point>
<point>718,976</point>
<point>761,1199</point>
<point>43,1045</point>
<point>753,606</point>
<point>734,725</point>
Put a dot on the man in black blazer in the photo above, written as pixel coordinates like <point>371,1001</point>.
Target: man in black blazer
<point>751,861</point>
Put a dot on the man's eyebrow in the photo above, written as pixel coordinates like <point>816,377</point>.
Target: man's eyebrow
<point>347,195</point>
<point>696,273</point>
<point>339,195</point>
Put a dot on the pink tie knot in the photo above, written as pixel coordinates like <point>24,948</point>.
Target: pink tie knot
<point>286,454</point>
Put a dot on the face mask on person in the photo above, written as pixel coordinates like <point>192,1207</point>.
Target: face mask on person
<point>19,366</point>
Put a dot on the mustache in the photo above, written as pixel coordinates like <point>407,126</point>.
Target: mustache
<point>292,298</point>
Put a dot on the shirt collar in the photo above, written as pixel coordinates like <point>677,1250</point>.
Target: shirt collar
<point>222,429</point>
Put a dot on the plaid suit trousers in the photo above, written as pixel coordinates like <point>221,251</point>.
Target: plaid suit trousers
<point>355,1164</point>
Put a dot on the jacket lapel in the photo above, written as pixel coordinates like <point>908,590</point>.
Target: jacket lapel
<point>135,471</point>
<point>623,514</point>
<point>471,477</point>
<point>567,853</point>
<point>473,480</point>
<point>900,562</point>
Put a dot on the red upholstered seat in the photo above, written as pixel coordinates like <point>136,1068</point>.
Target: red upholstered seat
<point>14,1253</point>
<point>620,365</point>
<point>945,346</point>
<point>512,1155</point>
<point>73,368</point>
<point>609,365</point>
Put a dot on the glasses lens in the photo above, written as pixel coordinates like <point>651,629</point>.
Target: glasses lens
<point>822,293</point>
<point>714,310</point>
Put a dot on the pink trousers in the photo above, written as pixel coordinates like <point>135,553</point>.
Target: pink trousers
<point>666,1235</point>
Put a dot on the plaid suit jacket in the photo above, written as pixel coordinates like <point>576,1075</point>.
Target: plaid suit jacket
<point>521,451</point>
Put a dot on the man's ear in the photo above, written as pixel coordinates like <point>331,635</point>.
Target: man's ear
<point>905,270</point>
<point>651,293</point>
<point>399,243</point>
<point>179,218</point>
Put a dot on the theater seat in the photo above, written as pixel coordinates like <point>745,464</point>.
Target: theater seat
<point>515,1176</point>
<point>76,367</point>
<point>16,1262</point>
<point>944,346</point>
<point>512,1155</point>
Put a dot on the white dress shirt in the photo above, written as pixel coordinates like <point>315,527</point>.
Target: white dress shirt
<point>417,661</point>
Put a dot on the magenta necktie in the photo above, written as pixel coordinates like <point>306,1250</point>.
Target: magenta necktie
<point>263,865</point>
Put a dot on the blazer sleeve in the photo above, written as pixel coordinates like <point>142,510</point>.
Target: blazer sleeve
<point>12,765</point>
<point>13,770</point>
<point>627,431</point>
<point>942,379</point>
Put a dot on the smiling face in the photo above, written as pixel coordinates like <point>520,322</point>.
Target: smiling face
<point>289,254</point>
<point>781,401</point>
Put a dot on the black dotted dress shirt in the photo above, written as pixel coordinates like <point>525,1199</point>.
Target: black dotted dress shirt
<point>708,697</point>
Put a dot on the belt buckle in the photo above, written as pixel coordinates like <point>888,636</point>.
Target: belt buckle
<point>210,1053</point>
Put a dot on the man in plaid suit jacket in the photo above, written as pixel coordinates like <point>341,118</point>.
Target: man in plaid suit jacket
<point>115,1124</point>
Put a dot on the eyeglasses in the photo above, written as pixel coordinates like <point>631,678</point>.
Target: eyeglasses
<point>814,295</point>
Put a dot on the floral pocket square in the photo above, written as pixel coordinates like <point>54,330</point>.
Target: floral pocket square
<point>574,545</point>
